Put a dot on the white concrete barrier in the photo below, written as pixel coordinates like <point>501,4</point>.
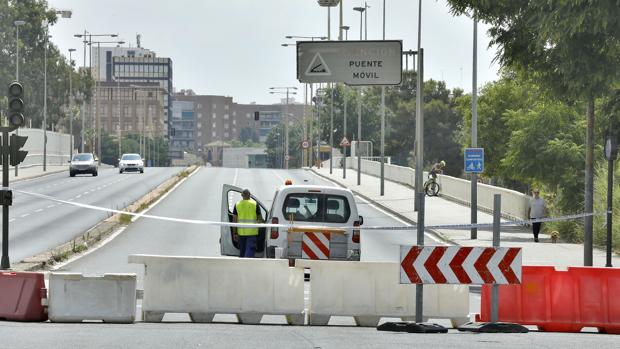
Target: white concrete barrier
<point>75,298</point>
<point>205,286</point>
<point>514,204</point>
<point>368,291</point>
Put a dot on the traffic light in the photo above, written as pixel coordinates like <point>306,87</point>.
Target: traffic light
<point>256,115</point>
<point>16,104</point>
<point>17,156</point>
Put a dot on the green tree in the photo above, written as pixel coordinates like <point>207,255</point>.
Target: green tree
<point>570,47</point>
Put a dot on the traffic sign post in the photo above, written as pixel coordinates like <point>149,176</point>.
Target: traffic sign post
<point>474,160</point>
<point>305,144</point>
<point>359,63</point>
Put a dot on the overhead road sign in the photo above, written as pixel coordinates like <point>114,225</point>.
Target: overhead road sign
<point>350,62</point>
<point>460,265</point>
<point>474,160</point>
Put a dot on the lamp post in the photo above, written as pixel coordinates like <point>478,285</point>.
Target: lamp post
<point>71,50</point>
<point>611,153</point>
<point>87,38</point>
<point>306,37</point>
<point>344,129</point>
<point>97,117</point>
<point>382,185</point>
<point>361,10</point>
<point>17,23</point>
<point>45,101</point>
<point>286,122</point>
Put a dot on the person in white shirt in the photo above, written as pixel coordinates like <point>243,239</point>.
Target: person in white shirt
<point>536,210</point>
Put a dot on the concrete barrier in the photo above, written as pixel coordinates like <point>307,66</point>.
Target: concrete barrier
<point>75,298</point>
<point>514,204</point>
<point>205,286</point>
<point>368,291</point>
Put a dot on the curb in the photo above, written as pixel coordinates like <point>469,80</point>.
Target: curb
<point>99,232</point>
<point>383,207</point>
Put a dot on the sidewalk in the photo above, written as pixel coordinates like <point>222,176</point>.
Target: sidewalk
<point>398,199</point>
<point>33,172</point>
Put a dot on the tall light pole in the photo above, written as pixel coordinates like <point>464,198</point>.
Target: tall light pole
<point>382,185</point>
<point>274,90</point>
<point>344,98</point>
<point>97,117</point>
<point>17,25</point>
<point>361,10</point>
<point>71,50</point>
<point>45,101</point>
<point>87,39</point>
<point>474,129</point>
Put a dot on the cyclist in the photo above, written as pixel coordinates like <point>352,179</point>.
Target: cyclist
<point>437,168</point>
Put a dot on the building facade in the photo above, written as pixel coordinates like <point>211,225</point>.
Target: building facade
<point>135,67</point>
<point>220,119</point>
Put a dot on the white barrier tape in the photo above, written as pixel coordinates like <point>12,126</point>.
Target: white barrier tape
<point>270,225</point>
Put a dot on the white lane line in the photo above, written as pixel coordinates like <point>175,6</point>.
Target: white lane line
<point>39,210</point>
<point>50,206</point>
<point>78,196</point>
<point>277,175</point>
<point>119,231</point>
<point>25,215</point>
<point>381,210</point>
<point>11,220</point>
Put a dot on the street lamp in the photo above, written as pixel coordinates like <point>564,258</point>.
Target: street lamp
<point>87,39</point>
<point>361,10</point>
<point>71,50</point>
<point>274,91</point>
<point>97,118</point>
<point>306,37</point>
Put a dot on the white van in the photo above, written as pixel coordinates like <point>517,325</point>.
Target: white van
<point>304,205</point>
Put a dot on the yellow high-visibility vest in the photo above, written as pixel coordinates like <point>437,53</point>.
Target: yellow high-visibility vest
<point>246,213</point>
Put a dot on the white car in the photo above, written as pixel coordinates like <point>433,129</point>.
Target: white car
<point>306,206</point>
<point>131,162</point>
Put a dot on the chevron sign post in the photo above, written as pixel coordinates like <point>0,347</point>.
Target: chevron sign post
<point>460,265</point>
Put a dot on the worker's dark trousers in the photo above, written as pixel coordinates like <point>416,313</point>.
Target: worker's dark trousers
<point>247,246</point>
<point>536,230</point>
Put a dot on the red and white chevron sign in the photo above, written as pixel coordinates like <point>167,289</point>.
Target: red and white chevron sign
<point>315,245</point>
<point>460,265</point>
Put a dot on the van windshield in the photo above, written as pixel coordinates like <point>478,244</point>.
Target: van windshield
<point>313,207</point>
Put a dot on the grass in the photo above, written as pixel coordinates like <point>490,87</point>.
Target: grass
<point>125,218</point>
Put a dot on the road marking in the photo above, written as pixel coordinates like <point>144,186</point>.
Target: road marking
<point>78,196</point>
<point>39,210</point>
<point>277,175</point>
<point>11,220</point>
<point>25,215</point>
<point>50,206</point>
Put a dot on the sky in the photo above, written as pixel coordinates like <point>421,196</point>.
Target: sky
<point>233,47</point>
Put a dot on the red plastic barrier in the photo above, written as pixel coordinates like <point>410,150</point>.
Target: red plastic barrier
<point>560,301</point>
<point>21,295</point>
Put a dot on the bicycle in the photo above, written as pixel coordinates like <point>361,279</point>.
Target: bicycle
<point>431,187</point>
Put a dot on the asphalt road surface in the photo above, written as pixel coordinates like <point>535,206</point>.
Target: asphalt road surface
<point>36,224</point>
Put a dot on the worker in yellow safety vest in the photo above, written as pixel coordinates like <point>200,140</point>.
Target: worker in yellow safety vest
<point>246,211</point>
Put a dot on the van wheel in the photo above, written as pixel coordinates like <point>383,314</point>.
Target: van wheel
<point>71,174</point>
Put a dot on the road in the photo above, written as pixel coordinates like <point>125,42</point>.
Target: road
<point>198,197</point>
<point>37,225</point>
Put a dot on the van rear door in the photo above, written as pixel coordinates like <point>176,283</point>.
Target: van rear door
<point>228,247</point>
